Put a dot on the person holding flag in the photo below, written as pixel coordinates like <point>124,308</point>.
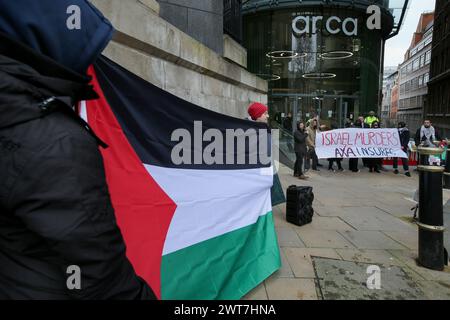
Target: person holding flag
<point>60,239</point>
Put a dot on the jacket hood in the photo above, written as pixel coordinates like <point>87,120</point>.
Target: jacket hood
<point>28,78</point>
<point>70,32</point>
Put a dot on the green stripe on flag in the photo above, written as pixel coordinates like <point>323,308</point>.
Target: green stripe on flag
<point>224,267</point>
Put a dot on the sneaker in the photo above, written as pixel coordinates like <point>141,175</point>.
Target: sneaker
<point>396,171</point>
<point>341,169</point>
<point>356,171</point>
<point>303,177</point>
<point>407,174</point>
<point>377,171</point>
<point>316,169</point>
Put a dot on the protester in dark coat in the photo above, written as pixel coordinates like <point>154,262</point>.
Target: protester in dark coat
<point>287,123</point>
<point>338,161</point>
<point>300,149</point>
<point>404,140</point>
<point>374,164</point>
<point>353,162</point>
<point>56,214</point>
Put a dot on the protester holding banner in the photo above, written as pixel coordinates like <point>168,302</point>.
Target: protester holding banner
<point>59,236</point>
<point>373,143</point>
<point>300,137</point>
<point>311,143</point>
<point>374,164</point>
<point>353,162</point>
<point>371,119</point>
<point>331,161</point>
<point>404,140</point>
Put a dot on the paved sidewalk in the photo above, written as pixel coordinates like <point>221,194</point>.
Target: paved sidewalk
<point>361,219</point>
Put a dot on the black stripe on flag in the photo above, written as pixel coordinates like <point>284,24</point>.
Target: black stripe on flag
<point>149,116</point>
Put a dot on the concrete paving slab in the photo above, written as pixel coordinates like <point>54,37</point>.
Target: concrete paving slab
<point>346,280</point>
<point>323,239</point>
<point>372,219</point>
<point>435,290</point>
<point>287,237</point>
<point>409,239</point>
<point>300,260</point>
<point>409,258</point>
<point>259,293</point>
<point>369,256</point>
<point>285,271</point>
<point>326,223</point>
<point>291,289</point>
<point>371,240</point>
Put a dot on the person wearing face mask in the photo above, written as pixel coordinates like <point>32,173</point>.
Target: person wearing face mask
<point>404,140</point>
<point>300,137</point>
<point>426,135</point>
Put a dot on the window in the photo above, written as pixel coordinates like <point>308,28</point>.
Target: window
<point>428,57</point>
<point>420,47</point>
<point>428,41</point>
<point>422,61</point>
<point>420,81</point>
<point>415,65</point>
<point>408,68</point>
<point>426,78</point>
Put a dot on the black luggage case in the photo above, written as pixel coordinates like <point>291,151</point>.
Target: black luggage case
<point>299,210</point>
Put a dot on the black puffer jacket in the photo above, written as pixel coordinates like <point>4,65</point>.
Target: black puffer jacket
<point>55,209</point>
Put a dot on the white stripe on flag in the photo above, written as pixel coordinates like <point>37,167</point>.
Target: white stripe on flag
<point>211,203</point>
<point>83,111</point>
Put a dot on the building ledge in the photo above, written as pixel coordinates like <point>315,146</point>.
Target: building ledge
<point>151,4</point>
<point>157,37</point>
<point>234,52</point>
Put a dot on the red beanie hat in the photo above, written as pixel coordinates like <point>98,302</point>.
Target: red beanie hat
<point>256,110</point>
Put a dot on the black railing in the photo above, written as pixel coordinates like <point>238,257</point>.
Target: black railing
<point>232,19</point>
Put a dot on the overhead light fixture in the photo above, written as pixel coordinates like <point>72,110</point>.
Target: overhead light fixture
<point>285,54</point>
<point>336,55</point>
<point>269,77</point>
<point>319,75</point>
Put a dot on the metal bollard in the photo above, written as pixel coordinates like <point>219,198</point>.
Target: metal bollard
<point>447,167</point>
<point>431,216</point>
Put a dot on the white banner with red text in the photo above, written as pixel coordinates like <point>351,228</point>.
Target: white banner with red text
<point>359,143</point>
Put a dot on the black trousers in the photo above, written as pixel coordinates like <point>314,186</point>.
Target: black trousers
<point>374,163</point>
<point>331,162</point>
<point>353,164</point>
<point>405,162</point>
<point>311,155</point>
<point>298,167</point>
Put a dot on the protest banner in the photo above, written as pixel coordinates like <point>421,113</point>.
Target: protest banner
<point>359,143</point>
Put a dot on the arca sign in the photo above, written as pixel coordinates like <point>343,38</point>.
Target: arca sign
<point>348,26</point>
<point>334,24</point>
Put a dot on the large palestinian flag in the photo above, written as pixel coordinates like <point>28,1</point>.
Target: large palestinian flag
<point>197,230</point>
